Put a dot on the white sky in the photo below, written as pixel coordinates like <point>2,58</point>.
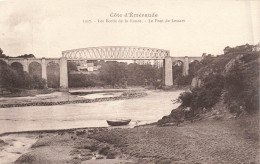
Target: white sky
<point>45,28</point>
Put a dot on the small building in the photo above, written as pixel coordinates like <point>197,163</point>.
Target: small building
<point>88,67</point>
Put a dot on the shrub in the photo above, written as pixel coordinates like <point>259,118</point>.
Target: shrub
<point>92,147</point>
<point>104,150</point>
<point>111,155</point>
<point>185,98</point>
<point>203,97</point>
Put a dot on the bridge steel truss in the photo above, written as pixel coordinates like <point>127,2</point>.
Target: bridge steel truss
<point>130,53</point>
<point>116,53</point>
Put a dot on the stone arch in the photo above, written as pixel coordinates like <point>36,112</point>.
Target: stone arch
<point>17,66</point>
<point>34,60</point>
<point>35,69</point>
<point>53,74</point>
<point>52,62</point>
<point>194,61</point>
<point>194,65</point>
<point>178,63</point>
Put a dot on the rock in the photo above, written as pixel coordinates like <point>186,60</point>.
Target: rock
<point>27,158</point>
<point>232,62</point>
<point>176,117</point>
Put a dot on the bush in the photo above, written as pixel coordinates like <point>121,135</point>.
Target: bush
<point>92,147</point>
<point>234,107</point>
<point>104,150</point>
<point>111,155</point>
<point>185,98</point>
<point>203,97</point>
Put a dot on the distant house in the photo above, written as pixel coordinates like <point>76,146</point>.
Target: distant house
<point>88,67</point>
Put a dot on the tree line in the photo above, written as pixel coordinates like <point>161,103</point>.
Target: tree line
<point>2,55</point>
<point>12,78</point>
<point>15,78</point>
<point>115,74</point>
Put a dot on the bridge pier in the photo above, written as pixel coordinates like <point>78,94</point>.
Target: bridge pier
<point>168,71</point>
<point>63,73</point>
<point>185,68</point>
<point>25,65</point>
<point>44,69</point>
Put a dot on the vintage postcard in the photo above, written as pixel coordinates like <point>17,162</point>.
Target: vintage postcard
<point>129,81</point>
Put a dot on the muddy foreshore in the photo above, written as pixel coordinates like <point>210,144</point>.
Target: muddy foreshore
<point>204,141</point>
<point>50,103</point>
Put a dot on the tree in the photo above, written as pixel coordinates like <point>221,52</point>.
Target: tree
<point>26,56</point>
<point>113,72</point>
<point>72,66</point>
<point>2,55</point>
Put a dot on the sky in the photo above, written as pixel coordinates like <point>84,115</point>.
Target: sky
<point>45,28</point>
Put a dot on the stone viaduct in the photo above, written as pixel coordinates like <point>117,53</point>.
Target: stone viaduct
<point>107,53</point>
<point>43,63</point>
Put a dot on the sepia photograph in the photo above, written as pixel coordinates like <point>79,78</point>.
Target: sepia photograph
<point>129,81</point>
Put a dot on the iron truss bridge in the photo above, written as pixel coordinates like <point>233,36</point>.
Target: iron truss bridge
<point>115,53</point>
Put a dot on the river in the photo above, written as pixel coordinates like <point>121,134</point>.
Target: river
<point>141,110</point>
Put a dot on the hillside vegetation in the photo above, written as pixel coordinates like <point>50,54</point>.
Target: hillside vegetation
<point>231,79</point>
<point>14,79</point>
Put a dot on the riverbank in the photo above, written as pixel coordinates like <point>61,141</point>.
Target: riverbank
<point>17,92</point>
<point>205,141</point>
<point>61,98</point>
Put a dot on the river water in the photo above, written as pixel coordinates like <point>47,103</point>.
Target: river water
<point>141,110</point>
